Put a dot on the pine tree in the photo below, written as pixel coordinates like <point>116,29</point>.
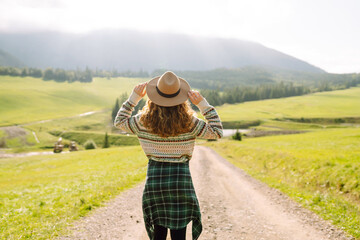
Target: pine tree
<point>106,141</point>
<point>115,109</point>
<point>123,97</point>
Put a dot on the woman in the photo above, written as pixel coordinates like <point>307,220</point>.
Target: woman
<point>167,129</point>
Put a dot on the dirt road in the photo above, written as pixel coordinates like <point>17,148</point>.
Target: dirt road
<point>233,206</point>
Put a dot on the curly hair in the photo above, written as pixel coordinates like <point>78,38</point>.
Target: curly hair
<point>167,121</point>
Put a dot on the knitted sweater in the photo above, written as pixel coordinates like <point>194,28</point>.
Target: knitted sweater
<point>170,149</point>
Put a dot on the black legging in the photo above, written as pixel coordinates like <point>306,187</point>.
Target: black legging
<point>160,233</point>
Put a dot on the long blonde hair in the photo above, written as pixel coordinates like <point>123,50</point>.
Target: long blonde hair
<point>167,121</point>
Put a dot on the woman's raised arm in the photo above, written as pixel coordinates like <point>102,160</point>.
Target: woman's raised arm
<point>123,119</point>
<point>212,128</point>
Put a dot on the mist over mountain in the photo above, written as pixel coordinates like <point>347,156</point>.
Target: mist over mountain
<point>7,59</point>
<point>131,50</point>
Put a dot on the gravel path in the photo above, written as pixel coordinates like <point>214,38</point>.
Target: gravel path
<point>233,206</point>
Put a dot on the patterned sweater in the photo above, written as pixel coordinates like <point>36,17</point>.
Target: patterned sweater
<point>170,149</point>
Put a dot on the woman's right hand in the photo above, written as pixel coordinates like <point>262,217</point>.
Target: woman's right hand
<point>195,97</point>
<point>140,89</point>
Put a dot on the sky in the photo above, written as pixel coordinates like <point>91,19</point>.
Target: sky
<point>325,33</point>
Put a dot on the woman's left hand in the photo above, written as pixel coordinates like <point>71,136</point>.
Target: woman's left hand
<point>140,89</point>
<point>195,97</point>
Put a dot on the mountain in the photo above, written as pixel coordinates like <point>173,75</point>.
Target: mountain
<point>132,50</point>
<point>7,59</point>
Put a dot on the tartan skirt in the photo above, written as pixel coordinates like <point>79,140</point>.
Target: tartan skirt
<point>169,198</point>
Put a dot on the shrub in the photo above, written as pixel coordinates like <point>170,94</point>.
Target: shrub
<point>2,143</point>
<point>89,144</point>
<point>211,140</point>
<point>237,135</point>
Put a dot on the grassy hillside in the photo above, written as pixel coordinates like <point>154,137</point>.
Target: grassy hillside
<point>39,195</point>
<point>98,138</point>
<point>30,99</point>
<point>79,129</point>
<point>319,169</point>
<point>16,137</point>
<point>342,103</point>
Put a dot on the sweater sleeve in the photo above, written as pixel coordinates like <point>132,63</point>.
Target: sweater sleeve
<point>123,119</point>
<point>212,127</point>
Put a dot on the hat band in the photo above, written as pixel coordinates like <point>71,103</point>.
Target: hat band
<point>167,95</point>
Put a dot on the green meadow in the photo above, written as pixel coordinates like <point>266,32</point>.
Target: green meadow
<point>335,104</point>
<point>30,99</point>
<point>40,195</point>
<point>319,169</point>
<point>78,129</point>
<point>98,138</point>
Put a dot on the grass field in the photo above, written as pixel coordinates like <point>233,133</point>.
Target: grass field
<point>98,138</point>
<point>78,129</point>
<point>319,169</point>
<point>31,99</point>
<point>99,123</point>
<point>39,195</point>
<point>16,137</point>
<point>342,103</point>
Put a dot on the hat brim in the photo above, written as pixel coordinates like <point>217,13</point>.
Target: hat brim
<point>164,101</point>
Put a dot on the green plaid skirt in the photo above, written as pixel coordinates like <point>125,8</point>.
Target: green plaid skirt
<point>169,198</point>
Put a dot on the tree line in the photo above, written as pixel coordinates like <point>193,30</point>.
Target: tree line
<point>58,75</point>
<point>61,75</point>
<point>216,79</point>
<point>232,95</point>
<point>243,94</point>
<point>115,73</point>
<point>224,78</point>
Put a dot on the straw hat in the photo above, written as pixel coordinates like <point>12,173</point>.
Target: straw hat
<point>168,90</point>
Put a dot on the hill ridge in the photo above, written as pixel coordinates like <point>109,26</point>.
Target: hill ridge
<point>9,60</point>
<point>134,50</point>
